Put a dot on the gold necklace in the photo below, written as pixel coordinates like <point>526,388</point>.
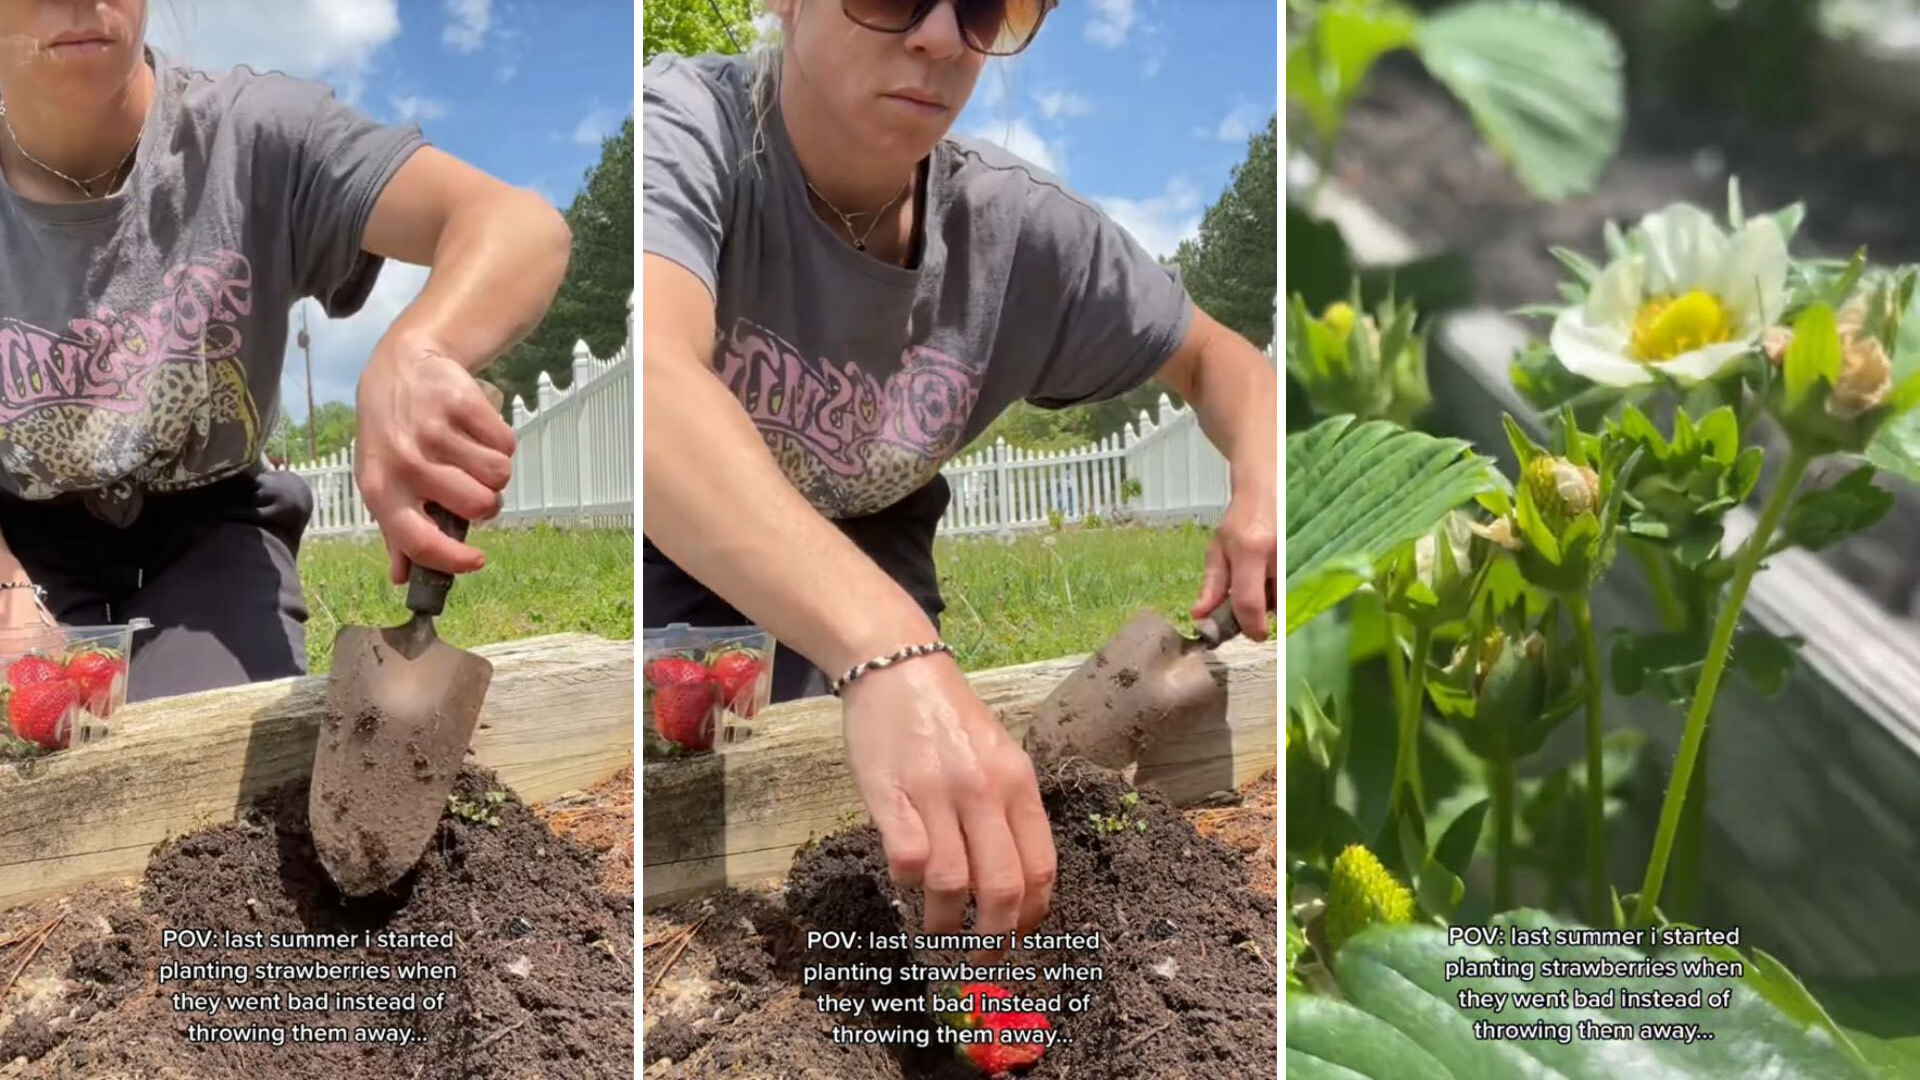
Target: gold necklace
<point>85,186</point>
<point>860,240</point>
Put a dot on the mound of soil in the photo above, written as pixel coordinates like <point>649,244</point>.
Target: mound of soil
<point>534,962</point>
<point>1186,971</point>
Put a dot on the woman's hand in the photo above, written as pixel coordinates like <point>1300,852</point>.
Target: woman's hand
<point>427,433</point>
<point>955,798</point>
<point>1242,561</point>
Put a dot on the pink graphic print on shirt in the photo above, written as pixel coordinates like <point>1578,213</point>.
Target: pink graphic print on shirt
<point>119,391</point>
<point>852,443</point>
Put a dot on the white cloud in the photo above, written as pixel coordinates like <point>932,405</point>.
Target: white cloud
<point>1019,139</point>
<point>991,91</point>
<point>1238,125</point>
<point>1055,104</point>
<point>600,122</point>
<point>1110,22</point>
<point>467,25</point>
<point>412,108</point>
<point>1159,222</point>
<point>332,39</point>
<point>341,346</point>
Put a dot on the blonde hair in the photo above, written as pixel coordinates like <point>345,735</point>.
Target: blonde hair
<point>764,60</point>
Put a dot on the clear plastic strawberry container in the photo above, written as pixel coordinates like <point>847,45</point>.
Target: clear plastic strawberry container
<point>60,684</point>
<point>701,686</point>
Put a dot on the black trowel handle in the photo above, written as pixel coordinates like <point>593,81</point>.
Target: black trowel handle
<point>1219,626</point>
<point>427,587</point>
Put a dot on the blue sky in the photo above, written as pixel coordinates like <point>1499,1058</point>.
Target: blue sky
<point>1143,105</point>
<point>524,89</point>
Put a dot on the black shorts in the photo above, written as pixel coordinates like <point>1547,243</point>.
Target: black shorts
<point>214,569</point>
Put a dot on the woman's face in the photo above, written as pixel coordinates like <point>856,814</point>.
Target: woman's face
<point>74,51</point>
<point>894,94</point>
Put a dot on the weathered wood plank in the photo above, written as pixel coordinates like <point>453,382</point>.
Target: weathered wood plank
<point>559,716</point>
<point>737,818</point>
<point>1813,845</point>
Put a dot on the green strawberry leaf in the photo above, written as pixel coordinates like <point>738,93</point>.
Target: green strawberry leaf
<point>1356,492</point>
<point>1402,1018</point>
<point>1822,518</point>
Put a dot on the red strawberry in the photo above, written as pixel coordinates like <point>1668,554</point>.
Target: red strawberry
<point>683,713</point>
<point>738,673</point>
<point>995,1058</point>
<point>42,713</point>
<point>33,669</point>
<point>675,671</point>
<point>95,673</point>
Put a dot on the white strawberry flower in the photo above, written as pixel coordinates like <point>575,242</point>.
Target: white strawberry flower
<point>1685,300</point>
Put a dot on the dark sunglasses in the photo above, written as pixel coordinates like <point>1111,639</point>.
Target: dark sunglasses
<point>994,27</point>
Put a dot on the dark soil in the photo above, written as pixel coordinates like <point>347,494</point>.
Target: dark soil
<point>544,983</point>
<point>1188,975</point>
<point>1412,153</point>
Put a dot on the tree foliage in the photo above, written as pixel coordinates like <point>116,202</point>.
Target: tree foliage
<point>1231,267</point>
<point>690,27</point>
<point>591,305</point>
<point>333,429</point>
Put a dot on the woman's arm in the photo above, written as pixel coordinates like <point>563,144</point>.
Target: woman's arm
<point>954,798</point>
<point>426,432</point>
<point>1235,390</point>
<point>752,538</point>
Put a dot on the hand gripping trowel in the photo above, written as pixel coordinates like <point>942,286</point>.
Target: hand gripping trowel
<point>402,706</point>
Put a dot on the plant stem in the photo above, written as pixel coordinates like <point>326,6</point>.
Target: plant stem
<point>1671,615</point>
<point>1597,899</point>
<point>1718,649</point>
<point>1406,759</point>
<point>1691,846</point>
<point>1502,834</point>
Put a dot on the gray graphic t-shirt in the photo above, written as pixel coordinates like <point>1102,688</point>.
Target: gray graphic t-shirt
<point>142,335</point>
<point>865,377</point>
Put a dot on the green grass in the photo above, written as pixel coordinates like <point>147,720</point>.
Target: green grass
<point>1057,594</point>
<point>1039,597</point>
<point>537,581</point>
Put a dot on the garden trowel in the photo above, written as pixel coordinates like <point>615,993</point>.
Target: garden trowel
<point>402,706</point>
<point>1131,690</point>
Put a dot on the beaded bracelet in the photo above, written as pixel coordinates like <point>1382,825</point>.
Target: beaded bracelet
<point>908,653</point>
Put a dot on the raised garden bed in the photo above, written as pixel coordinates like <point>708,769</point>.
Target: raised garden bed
<point>1185,910</point>
<point>514,947</point>
<point>538,900</point>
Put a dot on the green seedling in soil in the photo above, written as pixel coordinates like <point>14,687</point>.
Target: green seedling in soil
<point>480,812</point>
<point>1124,820</point>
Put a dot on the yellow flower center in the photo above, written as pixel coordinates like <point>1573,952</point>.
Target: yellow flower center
<point>1339,319</point>
<point>1667,326</point>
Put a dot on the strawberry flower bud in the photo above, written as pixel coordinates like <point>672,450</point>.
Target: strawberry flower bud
<point>1560,519</point>
<point>1506,690</point>
<point>1349,362</point>
<point>1363,893</point>
<point>1835,388</point>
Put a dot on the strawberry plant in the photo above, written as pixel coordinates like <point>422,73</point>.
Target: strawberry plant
<point>1473,587</point>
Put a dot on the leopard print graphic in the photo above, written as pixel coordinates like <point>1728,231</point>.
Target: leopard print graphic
<point>156,397</point>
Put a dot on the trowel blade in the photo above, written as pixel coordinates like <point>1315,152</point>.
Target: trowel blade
<point>402,706</point>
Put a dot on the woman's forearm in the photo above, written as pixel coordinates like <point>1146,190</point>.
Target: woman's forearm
<point>498,255</point>
<point>1236,393</point>
<point>719,506</point>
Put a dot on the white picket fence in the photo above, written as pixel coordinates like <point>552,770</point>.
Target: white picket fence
<point>1176,472</point>
<point>572,462</point>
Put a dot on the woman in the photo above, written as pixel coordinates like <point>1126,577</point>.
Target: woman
<point>156,225</point>
<point>871,294</point>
